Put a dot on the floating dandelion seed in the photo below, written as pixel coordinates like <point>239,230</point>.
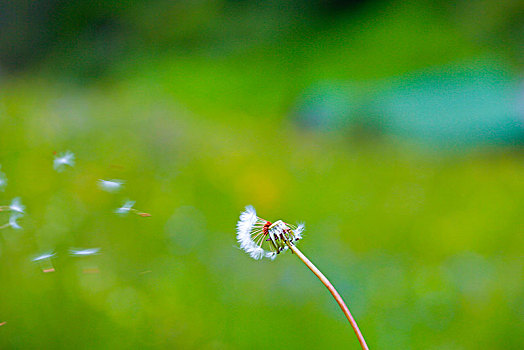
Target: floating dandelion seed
<point>128,207</point>
<point>110,185</point>
<point>12,222</point>
<point>44,256</point>
<point>84,252</point>
<point>3,180</point>
<point>45,262</point>
<point>63,160</point>
<point>16,205</point>
<point>261,238</point>
<point>18,211</point>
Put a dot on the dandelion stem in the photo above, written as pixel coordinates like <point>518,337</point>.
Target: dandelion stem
<point>334,292</point>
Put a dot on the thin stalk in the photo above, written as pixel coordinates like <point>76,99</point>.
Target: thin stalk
<point>139,212</point>
<point>334,292</point>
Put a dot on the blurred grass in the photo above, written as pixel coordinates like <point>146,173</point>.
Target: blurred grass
<point>425,247</point>
<point>263,80</point>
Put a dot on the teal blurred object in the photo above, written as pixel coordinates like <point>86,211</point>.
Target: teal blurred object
<point>329,105</point>
<point>451,107</point>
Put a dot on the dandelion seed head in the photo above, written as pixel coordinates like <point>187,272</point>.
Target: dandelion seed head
<point>63,160</point>
<point>84,252</point>
<point>261,238</point>
<point>110,185</point>
<point>16,205</point>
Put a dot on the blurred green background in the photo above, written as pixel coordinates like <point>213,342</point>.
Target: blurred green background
<point>197,106</point>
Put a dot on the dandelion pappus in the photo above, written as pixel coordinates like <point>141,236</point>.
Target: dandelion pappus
<point>262,238</point>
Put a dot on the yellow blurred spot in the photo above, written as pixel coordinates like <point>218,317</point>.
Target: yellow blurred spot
<point>260,185</point>
<point>91,270</point>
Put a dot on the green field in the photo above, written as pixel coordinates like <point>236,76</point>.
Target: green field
<point>426,247</point>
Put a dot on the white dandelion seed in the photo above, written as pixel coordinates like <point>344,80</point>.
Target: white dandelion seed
<point>44,260</point>
<point>298,231</point>
<point>3,180</point>
<point>44,256</point>
<point>126,208</point>
<point>16,205</point>
<point>12,222</point>
<point>110,185</point>
<point>84,252</point>
<point>63,160</point>
<point>261,238</point>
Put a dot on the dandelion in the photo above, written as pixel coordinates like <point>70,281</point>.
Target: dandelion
<point>3,180</point>
<point>110,185</point>
<point>128,207</point>
<point>45,262</point>
<point>12,222</point>
<point>261,238</point>
<point>84,252</point>
<point>63,160</point>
